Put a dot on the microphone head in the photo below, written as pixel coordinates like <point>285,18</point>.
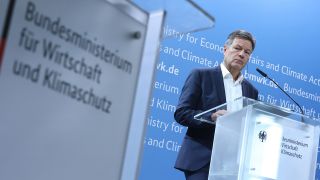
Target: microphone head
<point>261,72</point>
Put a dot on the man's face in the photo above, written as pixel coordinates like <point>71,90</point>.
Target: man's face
<point>237,54</point>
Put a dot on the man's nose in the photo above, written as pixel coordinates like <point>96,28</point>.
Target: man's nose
<point>242,53</point>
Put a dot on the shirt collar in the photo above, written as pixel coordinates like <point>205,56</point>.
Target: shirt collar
<point>227,74</point>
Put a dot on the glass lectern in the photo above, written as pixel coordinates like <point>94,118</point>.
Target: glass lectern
<point>259,141</point>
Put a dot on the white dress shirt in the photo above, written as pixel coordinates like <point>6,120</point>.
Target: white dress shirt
<point>232,89</point>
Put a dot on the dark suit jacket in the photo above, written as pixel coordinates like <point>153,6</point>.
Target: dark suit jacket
<point>203,89</point>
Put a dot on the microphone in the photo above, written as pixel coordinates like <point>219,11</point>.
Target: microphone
<point>265,75</point>
<point>262,73</point>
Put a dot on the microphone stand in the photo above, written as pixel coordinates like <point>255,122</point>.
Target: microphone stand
<point>265,75</point>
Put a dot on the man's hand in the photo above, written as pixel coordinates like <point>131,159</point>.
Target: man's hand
<point>214,116</point>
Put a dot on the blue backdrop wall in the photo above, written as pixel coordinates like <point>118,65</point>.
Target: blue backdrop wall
<point>287,33</point>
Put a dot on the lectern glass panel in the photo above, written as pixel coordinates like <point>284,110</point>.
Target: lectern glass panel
<point>236,105</point>
<point>194,18</point>
<point>259,141</point>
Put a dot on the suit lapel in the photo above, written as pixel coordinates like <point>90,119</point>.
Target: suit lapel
<point>245,91</point>
<point>220,85</point>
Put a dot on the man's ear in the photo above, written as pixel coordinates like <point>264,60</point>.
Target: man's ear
<point>225,47</point>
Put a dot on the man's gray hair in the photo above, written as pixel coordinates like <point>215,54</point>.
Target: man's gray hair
<point>241,34</point>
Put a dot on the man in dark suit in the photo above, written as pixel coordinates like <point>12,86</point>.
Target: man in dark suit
<point>205,89</point>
